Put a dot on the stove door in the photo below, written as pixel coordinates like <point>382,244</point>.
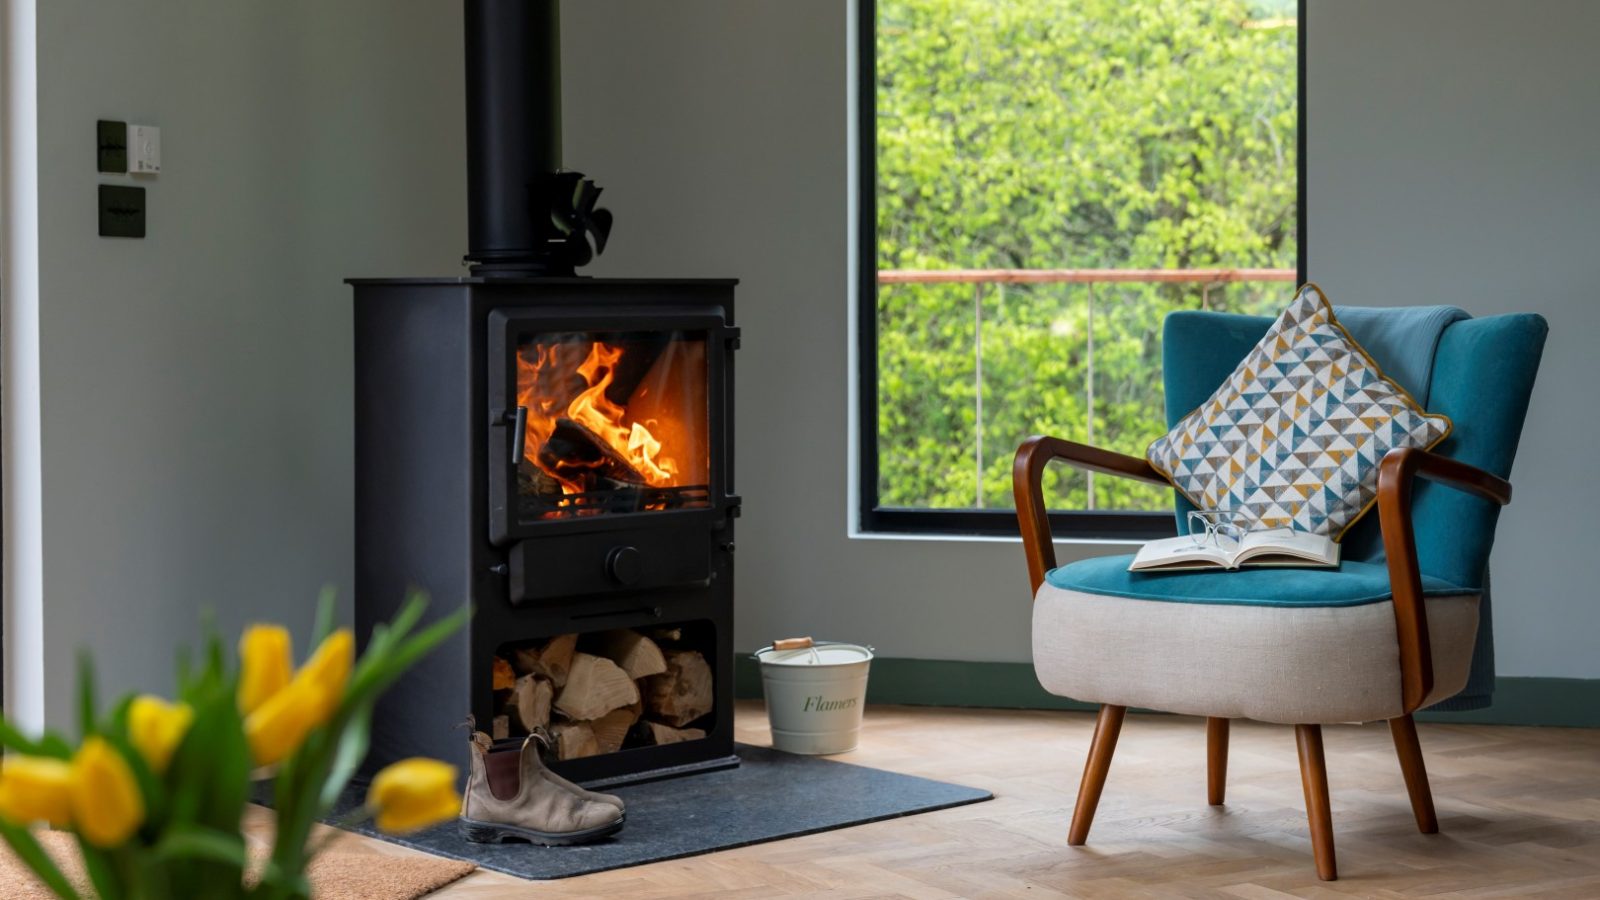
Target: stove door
<point>603,424</point>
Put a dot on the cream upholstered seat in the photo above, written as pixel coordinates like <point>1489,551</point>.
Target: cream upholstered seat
<point>1286,664</point>
<point>1393,629</point>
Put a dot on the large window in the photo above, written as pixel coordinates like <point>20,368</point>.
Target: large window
<point>1042,182</point>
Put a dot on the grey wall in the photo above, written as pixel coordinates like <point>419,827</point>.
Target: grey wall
<point>196,384</point>
<point>1452,160</point>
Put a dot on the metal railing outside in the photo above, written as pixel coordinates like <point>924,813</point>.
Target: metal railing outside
<point>1207,279</point>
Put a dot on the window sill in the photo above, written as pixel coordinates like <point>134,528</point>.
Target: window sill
<point>856,534</point>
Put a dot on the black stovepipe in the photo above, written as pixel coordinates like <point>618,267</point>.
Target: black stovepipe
<point>525,215</point>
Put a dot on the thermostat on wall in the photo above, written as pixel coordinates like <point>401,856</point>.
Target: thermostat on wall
<point>144,150</point>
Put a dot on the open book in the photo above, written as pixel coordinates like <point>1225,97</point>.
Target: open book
<point>1277,547</point>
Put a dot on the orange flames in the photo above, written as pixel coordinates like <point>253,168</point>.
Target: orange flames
<point>638,443</point>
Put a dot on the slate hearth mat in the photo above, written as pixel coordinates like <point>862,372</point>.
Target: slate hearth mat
<point>770,796</point>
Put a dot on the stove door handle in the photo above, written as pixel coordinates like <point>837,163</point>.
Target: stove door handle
<point>519,435</point>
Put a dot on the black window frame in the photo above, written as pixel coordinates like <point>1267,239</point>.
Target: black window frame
<point>873,518</point>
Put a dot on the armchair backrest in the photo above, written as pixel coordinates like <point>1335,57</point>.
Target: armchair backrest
<point>1482,378</point>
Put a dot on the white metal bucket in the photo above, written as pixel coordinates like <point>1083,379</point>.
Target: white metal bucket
<point>815,695</point>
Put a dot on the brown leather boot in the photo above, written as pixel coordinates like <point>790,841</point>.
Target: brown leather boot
<point>543,737</point>
<point>511,796</point>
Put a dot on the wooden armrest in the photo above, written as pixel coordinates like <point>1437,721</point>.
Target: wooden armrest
<point>1396,475</point>
<point>1027,475</point>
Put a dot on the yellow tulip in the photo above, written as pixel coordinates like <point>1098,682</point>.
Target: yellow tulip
<point>412,794</point>
<point>329,668</point>
<point>276,726</point>
<point>156,727</point>
<point>36,788</point>
<point>106,804</point>
<point>265,662</point>
<point>276,729</point>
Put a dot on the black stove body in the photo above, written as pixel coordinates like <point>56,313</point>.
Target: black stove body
<point>453,495</point>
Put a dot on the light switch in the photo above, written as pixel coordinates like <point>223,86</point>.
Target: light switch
<point>121,211</point>
<point>144,150</point>
<point>111,146</point>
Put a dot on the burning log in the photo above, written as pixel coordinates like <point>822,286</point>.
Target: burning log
<point>530,702</point>
<point>633,652</point>
<point>596,686</point>
<point>575,453</point>
<point>535,481</point>
<point>684,692</point>
<point>553,660</point>
<point>574,740</point>
<point>658,734</point>
<point>611,729</point>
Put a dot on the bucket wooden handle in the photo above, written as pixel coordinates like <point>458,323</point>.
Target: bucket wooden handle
<point>799,643</point>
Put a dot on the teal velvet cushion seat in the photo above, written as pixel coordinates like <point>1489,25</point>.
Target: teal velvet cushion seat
<point>1354,583</point>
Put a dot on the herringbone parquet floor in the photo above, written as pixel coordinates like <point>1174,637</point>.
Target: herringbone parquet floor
<point>1519,815</point>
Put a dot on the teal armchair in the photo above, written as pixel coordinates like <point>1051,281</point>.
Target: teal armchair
<point>1395,628</point>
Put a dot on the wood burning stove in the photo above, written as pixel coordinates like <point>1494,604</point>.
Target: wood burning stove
<point>556,450</point>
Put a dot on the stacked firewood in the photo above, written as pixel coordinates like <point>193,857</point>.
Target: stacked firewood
<point>603,692</point>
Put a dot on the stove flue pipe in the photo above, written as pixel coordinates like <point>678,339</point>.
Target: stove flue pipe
<point>525,215</point>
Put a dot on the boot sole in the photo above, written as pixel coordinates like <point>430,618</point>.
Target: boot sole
<point>494,833</point>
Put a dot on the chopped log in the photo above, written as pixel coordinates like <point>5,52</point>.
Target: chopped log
<point>553,660</point>
<point>530,702</point>
<point>667,634</point>
<point>504,677</point>
<point>595,686</point>
<point>533,481</point>
<point>574,740</point>
<point>556,657</point>
<point>575,453</point>
<point>500,728</point>
<point>666,734</point>
<point>611,729</point>
<point>683,693</point>
<point>636,654</point>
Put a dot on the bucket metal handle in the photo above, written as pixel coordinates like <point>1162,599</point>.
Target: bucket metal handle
<point>810,645</point>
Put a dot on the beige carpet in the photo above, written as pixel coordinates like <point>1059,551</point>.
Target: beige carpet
<point>334,875</point>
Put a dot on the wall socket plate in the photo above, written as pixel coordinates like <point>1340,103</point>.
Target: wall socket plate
<point>111,146</point>
<point>121,211</point>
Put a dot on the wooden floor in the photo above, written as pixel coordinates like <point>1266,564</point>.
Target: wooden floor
<point>1519,816</point>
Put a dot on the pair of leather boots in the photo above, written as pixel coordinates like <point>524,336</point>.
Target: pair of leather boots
<point>511,796</point>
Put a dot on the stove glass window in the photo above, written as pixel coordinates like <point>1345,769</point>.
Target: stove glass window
<point>617,423</point>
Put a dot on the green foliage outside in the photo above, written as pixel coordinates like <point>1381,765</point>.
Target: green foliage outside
<point>1050,134</point>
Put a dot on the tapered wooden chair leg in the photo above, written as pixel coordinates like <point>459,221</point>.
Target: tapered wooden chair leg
<point>1409,749</point>
<point>1106,729</point>
<point>1216,760</point>
<point>1314,777</point>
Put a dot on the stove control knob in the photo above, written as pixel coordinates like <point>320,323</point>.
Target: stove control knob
<point>624,565</point>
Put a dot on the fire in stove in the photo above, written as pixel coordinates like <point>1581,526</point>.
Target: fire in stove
<point>615,423</point>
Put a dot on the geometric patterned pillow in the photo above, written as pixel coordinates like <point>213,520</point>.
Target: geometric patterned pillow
<point>1294,436</point>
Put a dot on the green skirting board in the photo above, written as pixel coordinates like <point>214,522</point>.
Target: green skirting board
<point>1555,702</point>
